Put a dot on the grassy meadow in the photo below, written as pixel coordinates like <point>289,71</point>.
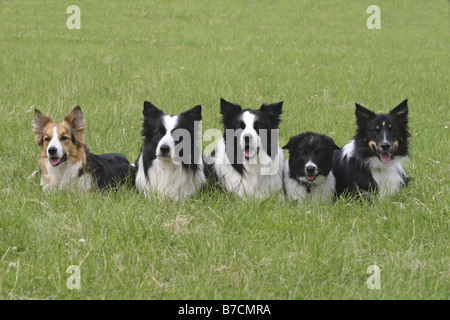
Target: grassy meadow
<point>318,57</point>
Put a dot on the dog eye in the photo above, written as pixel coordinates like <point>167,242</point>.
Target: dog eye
<point>63,138</point>
<point>242,125</point>
<point>256,125</point>
<point>47,139</point>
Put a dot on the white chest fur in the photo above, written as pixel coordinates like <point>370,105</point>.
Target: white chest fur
<point>389,177</point>
<point>321,189</point>
<point>169,179</point>
<point>261,179</point>
<point>66,176</point>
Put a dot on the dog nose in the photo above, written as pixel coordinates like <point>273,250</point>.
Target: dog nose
<point>247,138</point>
<point>52,151</point>
<point>385,146</point>
<point>310,169</point>
<point>164,149</point>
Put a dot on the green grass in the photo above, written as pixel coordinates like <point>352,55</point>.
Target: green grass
<point>318,57</point>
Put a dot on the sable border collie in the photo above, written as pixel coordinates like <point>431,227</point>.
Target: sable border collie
<point>170,161</point>
<point>247,160</point>
<point>66,160</point>
<point>372,160</point>
<point>307,173</point>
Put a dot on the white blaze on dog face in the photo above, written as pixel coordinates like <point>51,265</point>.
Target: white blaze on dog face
<point>250,140</point>
<point>166,146</point>
<point>311,166</point>
<point>311,170</point>
<point>58,144</point>
<point>60,141</point>
<point>55,143</point>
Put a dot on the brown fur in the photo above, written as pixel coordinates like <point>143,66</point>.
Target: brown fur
<point>395,145</point>
<point>372,144</point>
<point>71,129</point>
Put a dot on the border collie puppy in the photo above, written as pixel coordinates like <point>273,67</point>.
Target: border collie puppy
<point>307,173</point>
<point>170,162</point>
<point>247,160</point>
<point>372,160</point>
<point>65,159</point>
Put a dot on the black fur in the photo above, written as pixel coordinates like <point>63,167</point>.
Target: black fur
<point>153,130</point>
<point>107,169</point>
<point>310,146</point>
<point>353,174</point>
<point>267,117</point>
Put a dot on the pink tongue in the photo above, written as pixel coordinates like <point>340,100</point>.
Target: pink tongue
<point>310,178</point>
<point>54,161</point>
<point>385,157</point>
<point>249,153</point>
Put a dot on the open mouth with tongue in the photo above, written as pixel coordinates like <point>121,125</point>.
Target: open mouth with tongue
<point>310,177</point>
<point>250,153</point>
<point>54,161</point>
<point>385,157</point>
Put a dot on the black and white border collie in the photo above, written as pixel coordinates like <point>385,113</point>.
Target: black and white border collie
<point>65,159</point>
<point>247,160</point>
<point>372,160</point>
<point>170,162</point>
<point>307,173</point>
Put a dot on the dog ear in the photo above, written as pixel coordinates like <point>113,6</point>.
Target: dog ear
<point>195,113</point>
<point>401,110</point>
<point>292,141</point>
<point>362,114</point>
<point>39,123</point>
<point>228,107</point>
<point>288,145</point>
<point>150,110</point>
<point>76,122</point>
<point>401,113</point>
<point>274,109</point>
<point>331,143</point>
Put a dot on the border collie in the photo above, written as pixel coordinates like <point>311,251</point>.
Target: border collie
<point>66,160</point>
<point>247,160</point>
<point>372,160</point>
<point>307,173</point>
<point>170,162</point>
